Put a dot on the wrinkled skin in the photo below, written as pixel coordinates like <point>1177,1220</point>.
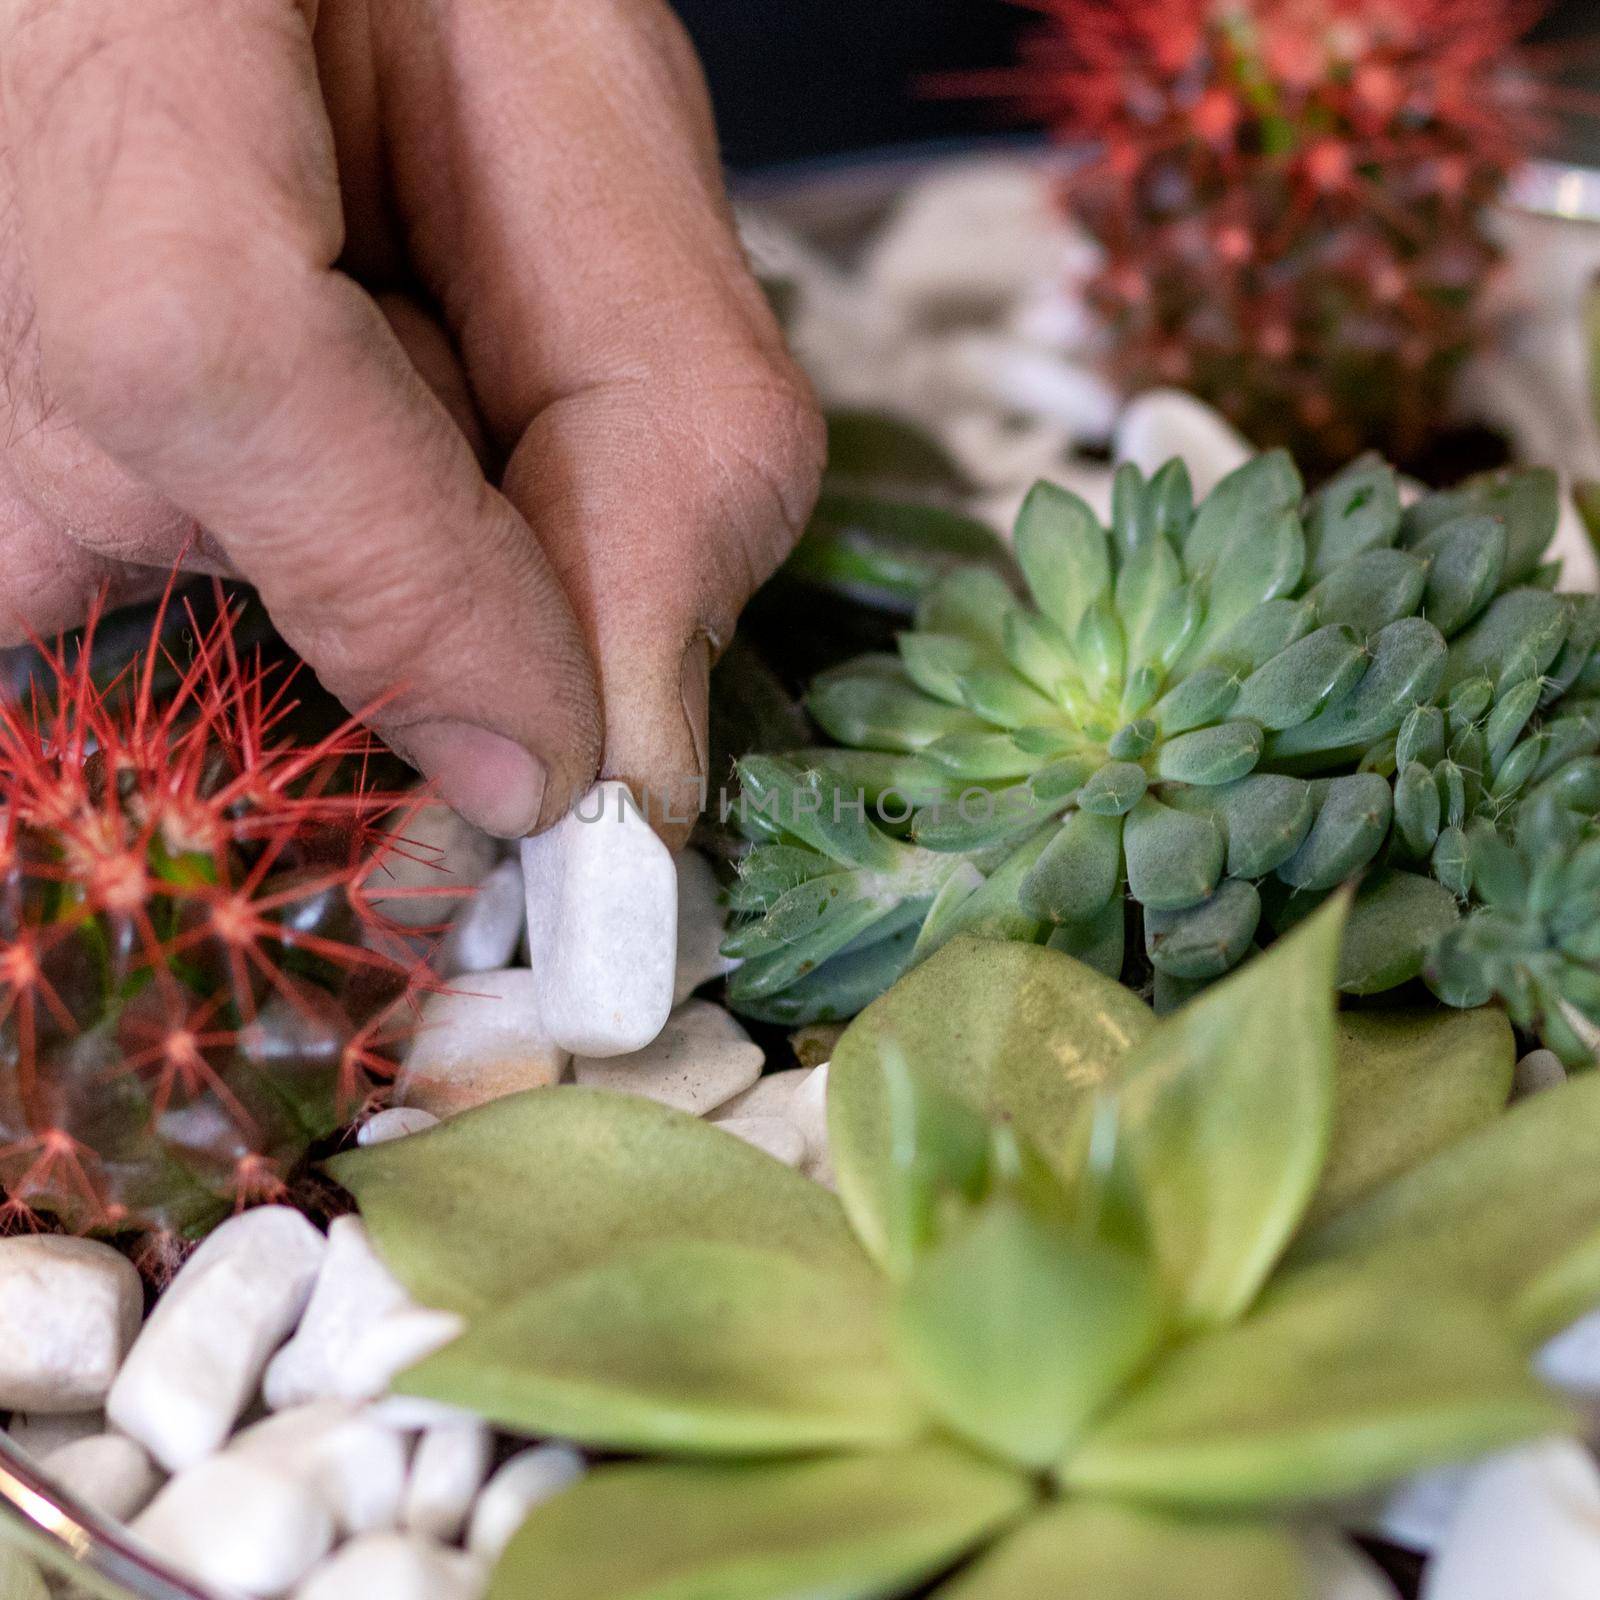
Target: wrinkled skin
<point>426,318</point>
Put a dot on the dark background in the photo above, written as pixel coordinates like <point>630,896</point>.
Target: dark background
<point>802,79</point>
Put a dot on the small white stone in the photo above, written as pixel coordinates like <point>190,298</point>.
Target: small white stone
<point>388,1346</point>
<point>525,1481</point>
<point>699,1061</point>
<point>488,927</point>
<point>429,860</point>
<point>1539,1069</point>
<point>1571,1360</point>
<point>353,1291</point>
<point>779,1137</point>
<point>407,1414</point>
<point>809,1113</point>
<point>1416,1511</point>
<point>357,1463</point>
<point>602,925</point>
<point>447,1472</point>
<point>108,1472</point>
<point>393,1566</point>
<point>771,1095</point>
<point>1338,1569</point>
<point>39,1433</point>
<point>398,1122</point>
<point>1527,1526</point>
<point>1164,423</point>
<point>482,1041</point>
<point>197,1363</point>
<point>702,926</point>
<point>69,1309</point>
<point>241,1522</point>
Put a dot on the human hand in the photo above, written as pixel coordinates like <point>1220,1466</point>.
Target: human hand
<point>426,318</point>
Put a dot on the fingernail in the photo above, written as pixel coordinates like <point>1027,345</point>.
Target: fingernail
<point>694,690</point>
<point>490,780</point>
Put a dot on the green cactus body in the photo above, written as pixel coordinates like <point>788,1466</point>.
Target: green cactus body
<point>1196,713</point>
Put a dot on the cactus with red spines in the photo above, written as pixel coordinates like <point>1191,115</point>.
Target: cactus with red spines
<point>193,988</point>
<point>1293,197</point>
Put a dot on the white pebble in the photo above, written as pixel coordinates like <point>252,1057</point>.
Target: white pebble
<point>398,1122</point>
<point>809,1112</point>
<point>1528,1525</point>
<point>702,926</point>
<point>485,1040</point>
<point>602,925</point>
<point>488,927</point>
<point>354,1289</point>
<point>1539,1069</point>
<point>525,1481</point>
<point>447,1472</point>
<point>777,1136</point>
<point>1416,1511</point>
<point>429,860</point>
<point>392,1566</point>
<point>108,1472</point>
<point>1571,1360</point>
<point>356,1462</point>
<point>240,1522</point>
<point>1339,1571</point>
<point>197,1363</point>
<point>1164,423</point>
<point>39,1433</point>
<point>699,1061</point>
<point>388,1346</point>
<point>69,1309</point>
<point>771,1095</point>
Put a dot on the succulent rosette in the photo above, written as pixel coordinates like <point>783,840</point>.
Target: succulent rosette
<point>1104,1305</point>
<point>1183,732</point>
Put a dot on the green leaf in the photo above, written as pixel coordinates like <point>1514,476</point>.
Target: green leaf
<point>1353,816</point>
<point>1016,1335</point>
<point>1297,682</point>
<point>1063,553</point>
<point>1327,1391</point>
<point>1248,500</point>
<point>992,910</point>
<point>1526,500</point>
<point>1395,921</point>
<point>1210,756</point>
<point>1097,1550</point>
<point>871,704</point>
<point>685,1348</point>
<point>1409,1083</point>
<point>535,1186</point>
<point>1174,857</point>
<point>1077,873</point>
<point>1495,1214</point>
<point>1357,510</point>
<point>839,1528</point>
<point>1206,940</point>
<point>1222,1121</point>
<point>1017,1032</point>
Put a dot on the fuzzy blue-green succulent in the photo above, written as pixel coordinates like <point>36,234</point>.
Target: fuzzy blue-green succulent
<point>1185,720</point>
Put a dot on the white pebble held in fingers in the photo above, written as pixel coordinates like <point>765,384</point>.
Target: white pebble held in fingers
<point>354,1290</point>
<point>447,1471</point>
<point>602,925</point>
<point>241,1522</point>
<point>107,1471</point>
<point>393,1566</point>
<point>198,1361</point>
<point>488,928</point>
<point>777,1136</point>
<point>1528,1526</point>
<point>398,1122</point>
<point>1163,423</point>
<point>432,859</point>
<point>357,1463</point>
<point>69,1309</point>
<point>699,1061</point>
<point>702,926</point>
<point>528,1479</point>
<point>483,1040</point>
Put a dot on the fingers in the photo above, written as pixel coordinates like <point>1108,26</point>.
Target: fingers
<point>575,232</point>
<point>190,321</point>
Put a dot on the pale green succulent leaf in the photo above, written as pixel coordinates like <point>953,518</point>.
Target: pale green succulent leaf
<point>937,663</point>
<point>1250,500</point>
<point>1078,872</point>
<point>1062,550</point>
<point>1255,570</point>
<point>846,1527</point>
<point>1099,943</point>
<point>1265,817</point>
<point>841,986</point>
<point>1462,1218</point>
<point>1147,586</point>
<point>1356,511</point>
<point>1101,1550</point>
<point>1518,637</point>
<point>1409,1083</point>
<point>1211,756</point>
<point>1327,1390</point>
<point>1418,809</point>
<point>1260,634</point>
<point>1206,940</point>
<point>1466,559</point>
<point>1397,918</point>
<point>449,1209</point>
<point>1293,686</point>
<point>1015,1335</point>
<point>1205,695</point>
<point>874,707</point>
<point>1222,1120</point>
<point>993,910</point>
<point>973,603</point>
<point>1372,591</point>
<point>685,1348</point>
<point>1114,789</point>
<point>1174,858</point>
<point>1352,821</point>
<point>1526,500</point>
<point>1037,1032</point>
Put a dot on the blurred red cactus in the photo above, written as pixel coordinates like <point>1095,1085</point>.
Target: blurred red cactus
<point>1292,196</point>
<point>193,987</point>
